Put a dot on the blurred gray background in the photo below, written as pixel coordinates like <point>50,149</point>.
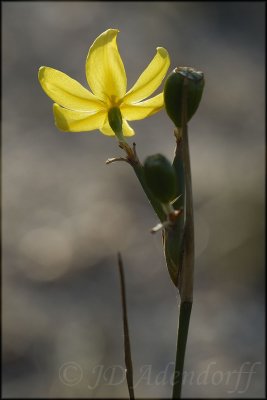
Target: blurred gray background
<point>66,213</point>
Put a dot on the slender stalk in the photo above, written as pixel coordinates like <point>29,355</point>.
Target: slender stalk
<point>186,279</point>
<point>184,319</point>
<point>127,348</point>
<point>187,270</point>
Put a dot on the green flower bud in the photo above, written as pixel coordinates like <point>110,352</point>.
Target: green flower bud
<point>160,177</point>
<point>115,122</point>
<point>183,81</point>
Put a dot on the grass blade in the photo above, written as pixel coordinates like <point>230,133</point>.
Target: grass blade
<point>127,348</point>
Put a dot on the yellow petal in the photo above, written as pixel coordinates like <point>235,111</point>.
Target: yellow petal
<point>77,121</point>
<point>66,91</point>
<point>151,78</point>
<point>104,68</point>
<point>106,129</point>
<point>143,109</point>
<point>127,130</point>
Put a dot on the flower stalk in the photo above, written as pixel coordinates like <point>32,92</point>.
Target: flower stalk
<point>184,319</point>
<point>182,93</point>
<point>185,247</point>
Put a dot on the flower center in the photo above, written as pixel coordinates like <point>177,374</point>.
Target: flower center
<point>114,101</point>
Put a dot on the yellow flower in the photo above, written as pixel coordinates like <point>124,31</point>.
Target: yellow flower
<point>76,109</point>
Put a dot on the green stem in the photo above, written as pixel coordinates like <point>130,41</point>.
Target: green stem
<point>187,271</point>
<point>184,319</point>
